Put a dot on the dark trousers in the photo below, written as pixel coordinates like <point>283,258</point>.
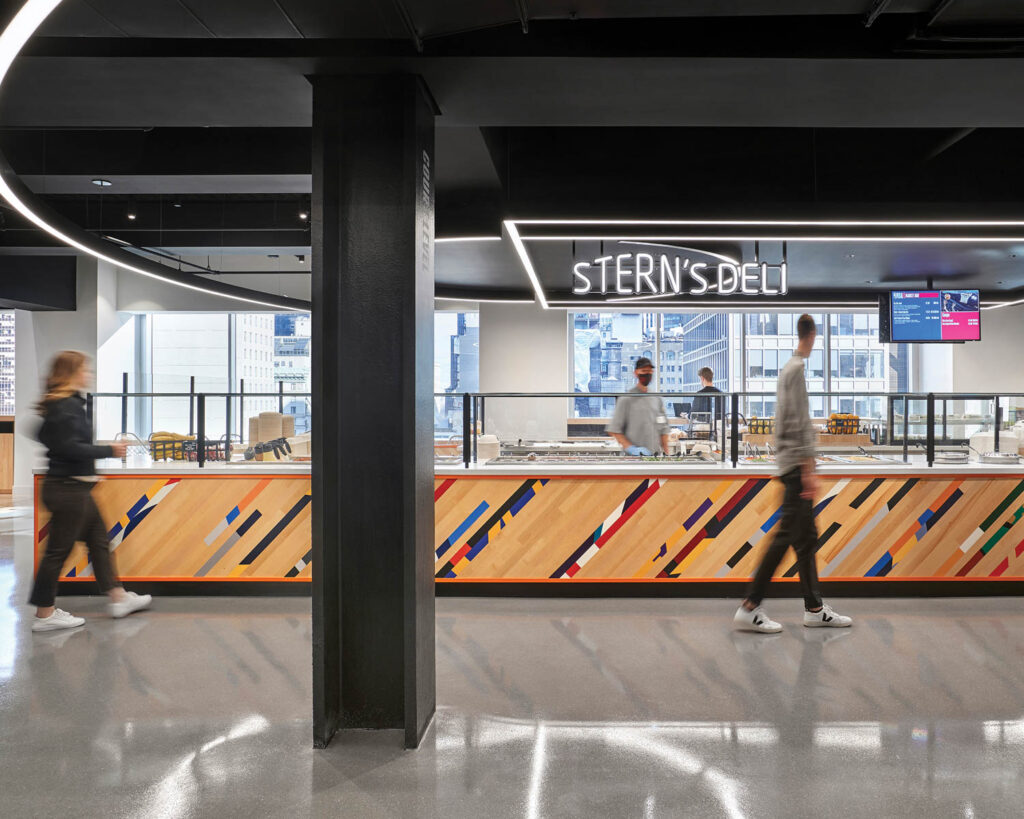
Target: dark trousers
<point>796,529</point>
<point>74,517</point>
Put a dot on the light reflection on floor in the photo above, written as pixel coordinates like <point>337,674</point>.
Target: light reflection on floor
<point>546,708</point>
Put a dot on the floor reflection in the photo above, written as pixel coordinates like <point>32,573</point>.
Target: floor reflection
<point>645,708</point>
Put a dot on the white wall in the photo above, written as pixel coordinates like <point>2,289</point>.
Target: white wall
<point>933,364</point>
<point>994,363</point>
<point>524,349</point>
<point>41,335</point>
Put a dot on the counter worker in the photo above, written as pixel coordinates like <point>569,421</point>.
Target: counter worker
<point>795,441</point>
<point>710,407</point>
<point>640,424</point>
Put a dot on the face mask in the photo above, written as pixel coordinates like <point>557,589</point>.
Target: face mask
<point>644,378</point>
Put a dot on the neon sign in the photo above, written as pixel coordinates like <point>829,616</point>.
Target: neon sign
<point>666,274</point>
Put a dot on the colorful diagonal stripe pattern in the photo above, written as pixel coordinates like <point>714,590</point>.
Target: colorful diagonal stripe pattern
<point>714,527</point>
<point>493,525</point>
<point>129,521</point>
<point>606,531</point>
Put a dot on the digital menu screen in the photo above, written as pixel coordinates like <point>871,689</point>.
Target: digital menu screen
<point>935,315</point>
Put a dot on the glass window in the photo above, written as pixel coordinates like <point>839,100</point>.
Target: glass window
<point>860,364</point>
<point>787,324</point>
<point>755,364</point>
<point>846,324</point>
<point>816,363</point>
<point>605,349</point>
<point>456,366</point>
<point>860,324</point>
<point>693,341</point>
<point>771,363</point>
<point>846,364</point>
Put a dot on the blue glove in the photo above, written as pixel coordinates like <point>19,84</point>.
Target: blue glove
<point>638,450</point>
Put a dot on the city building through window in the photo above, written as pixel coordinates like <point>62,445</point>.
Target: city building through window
<point>746,352</point>
<point>456,367</point>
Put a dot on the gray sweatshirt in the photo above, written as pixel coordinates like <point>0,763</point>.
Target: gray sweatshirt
<point>641,418</point>
<point>795,438</point>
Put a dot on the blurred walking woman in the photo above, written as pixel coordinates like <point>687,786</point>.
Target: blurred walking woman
<point>67,493</point>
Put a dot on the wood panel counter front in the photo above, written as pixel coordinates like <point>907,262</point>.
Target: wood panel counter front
<point>182,525</point>
<point>908,523</point>
<point>229,528</point>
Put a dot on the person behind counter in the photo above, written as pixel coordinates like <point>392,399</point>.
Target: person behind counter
<point>795,449</point>
<point>705,408</point>
<point>67,492</point>
<point>639,424</point>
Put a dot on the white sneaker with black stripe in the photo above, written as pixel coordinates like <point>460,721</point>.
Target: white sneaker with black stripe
<point>756,620</point>
<point>826,618</point>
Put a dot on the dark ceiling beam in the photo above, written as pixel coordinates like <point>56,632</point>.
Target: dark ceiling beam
<point>159,151</point>
<point>410,25</point>
<point>825,36</point>
<point>878,7</point>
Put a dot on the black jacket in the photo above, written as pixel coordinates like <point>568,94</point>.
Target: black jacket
<point>67,436</point>
<point>701,404</point>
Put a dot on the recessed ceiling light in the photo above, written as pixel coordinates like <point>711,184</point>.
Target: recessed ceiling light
<point>131,216</point>
<point>177,203</point>
<point>272,256</point>
<point>301,258</point>
<point>303,215</point>
<point>102,183</point>
<point>867,281</point>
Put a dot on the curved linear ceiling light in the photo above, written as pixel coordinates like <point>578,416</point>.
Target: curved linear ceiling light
<point>19,197</point>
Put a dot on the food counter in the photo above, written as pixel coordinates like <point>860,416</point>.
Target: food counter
<point>564,525</point>
<point>236,529</point>
<point>884,527</point>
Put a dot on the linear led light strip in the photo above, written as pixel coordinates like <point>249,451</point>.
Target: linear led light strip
<point>769,222</point>
<point>786,238</point>
<point>13,39</point>
<point>517,239</point>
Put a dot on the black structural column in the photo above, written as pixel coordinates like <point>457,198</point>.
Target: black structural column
<point>373,515</point>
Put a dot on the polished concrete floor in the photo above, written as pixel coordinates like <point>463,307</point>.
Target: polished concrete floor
<point>622,708</point>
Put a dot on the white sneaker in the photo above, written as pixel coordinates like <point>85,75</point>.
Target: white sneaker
<point>755,620</point>
<point>129,603</point>
<point>826,618</point>
<point>58,620</point>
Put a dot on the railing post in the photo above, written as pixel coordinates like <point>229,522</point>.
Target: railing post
<point>467,420</point>
<point>906,427</point>
<point>735,446</point>
<point>483,415</point>
<point>280,397</point>
<point>930,432</point>
<point>714,421</point>
<point>999,423</point>
<point>124,402</point>
<point>241,412</point>
<point>201,431</point>
<point>192,405</point>
<point>89,413</point>
<point>476,416</point>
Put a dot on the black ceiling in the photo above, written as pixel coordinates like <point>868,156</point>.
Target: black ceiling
<point>198,111</point>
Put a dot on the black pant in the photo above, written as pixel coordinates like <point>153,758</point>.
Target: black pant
<point>796,529</point>
<point>74,517</point>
